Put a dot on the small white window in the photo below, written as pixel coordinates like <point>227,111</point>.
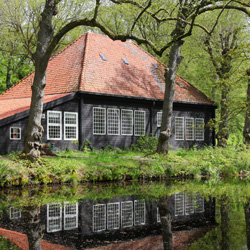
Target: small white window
<point>139,122</point>
<point>139,210</point>
<point>159,119</point>
<point>189,129</point>
<point>54,217</point>
<point>70,216</point>
<point>113,215</point>
<point>199,129</point>
<point>99,217</point>
<point>70,126</point>
<point>54,125</point>
<point>179,204</point>
<point>127,122</point>
<point>127,214</point>
<point>15,133</point>
<point>179,128</point>
<point>14,213</point>
<point>99,121</point>
<point>113,121</point>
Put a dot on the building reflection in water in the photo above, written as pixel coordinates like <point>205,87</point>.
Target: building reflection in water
<point>90,223</point>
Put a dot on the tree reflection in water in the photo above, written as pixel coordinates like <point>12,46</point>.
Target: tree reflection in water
<point>33,227</point>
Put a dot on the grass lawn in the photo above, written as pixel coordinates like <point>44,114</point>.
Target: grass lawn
<point>113,165</point>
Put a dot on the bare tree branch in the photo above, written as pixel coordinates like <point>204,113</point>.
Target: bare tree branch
<point>140,14</point>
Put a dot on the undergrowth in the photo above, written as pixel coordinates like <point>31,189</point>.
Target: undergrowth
<point>116,164</point>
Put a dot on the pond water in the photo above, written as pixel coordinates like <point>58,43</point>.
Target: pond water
<point>205,214</point>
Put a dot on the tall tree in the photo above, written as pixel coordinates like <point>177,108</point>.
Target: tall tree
<point>246,131</point>
<point>181,17</point>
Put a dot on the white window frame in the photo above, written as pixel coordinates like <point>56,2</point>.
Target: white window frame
<point>18,134</point>
<point>136,121</point>
<point>113,215</point>
<point>54,218</point>
<point>199,130</point>
<point>113,122</point>
<point>189,203</point>
<point>14,213</point>
<point>183,131</point>
<point>139,212</point>
<point>127,214</point>
<point>71,126</point>
<point>199,204</point>
<point>130,125</point>
<point>159,119</point>
<point>179,204</point>
<point>98,226</point>
<point>71,216</point>
<point>94,123</point>
<point>54,124</point>
<point>189,128</point>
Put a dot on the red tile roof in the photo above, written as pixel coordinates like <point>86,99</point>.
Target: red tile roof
<point>79,67</point>
<point>10,107</point>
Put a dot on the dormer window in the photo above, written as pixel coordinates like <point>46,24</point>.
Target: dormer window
<point>103,57</point>
<point>125,61</point>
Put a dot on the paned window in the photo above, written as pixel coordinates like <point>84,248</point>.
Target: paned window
<point>14,213</point>
<point>159,118</point>
<point>179,128</point>
<point>189,204</point>
<point>139,122</point>
<point>158,215</point>
<point>113,121</point>
<point>113,215</point>
<point>190,129</point>
<point>99,217</point>
<point>179,204</point>
<point>199,129</point>
<point>70,216</point>
<point>99,121</point>
<point>199,204</point>
<point>127,213</point>
<point>139,212</point>
<point>70,126</point>
<point>54,217</point>
<point>15,133</point>
<point>54,125</point>
<point>127,122</point>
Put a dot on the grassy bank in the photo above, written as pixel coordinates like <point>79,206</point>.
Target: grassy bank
<point>113,165</point>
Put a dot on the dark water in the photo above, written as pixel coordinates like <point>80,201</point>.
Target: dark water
<point>210,214</point>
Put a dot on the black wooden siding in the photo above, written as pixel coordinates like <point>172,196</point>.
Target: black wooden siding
<point>83,104</point>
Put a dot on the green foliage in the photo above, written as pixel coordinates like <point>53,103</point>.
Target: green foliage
<point>145,144</point>
<point>110,165</point>
<point>6,245</point>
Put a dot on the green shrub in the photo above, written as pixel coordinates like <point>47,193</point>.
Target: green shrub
<point>145,144</point>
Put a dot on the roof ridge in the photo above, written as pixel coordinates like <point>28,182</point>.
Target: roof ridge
<point>69,45</point>
<point>7,90</point>
<point>196,88</point>
<point>147,53</point>
<point>84,62</point>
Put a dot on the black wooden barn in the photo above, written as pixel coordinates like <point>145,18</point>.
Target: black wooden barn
<point>109,93</point>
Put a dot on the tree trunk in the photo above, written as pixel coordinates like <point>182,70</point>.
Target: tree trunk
<point>41,57</point>
<point>33,227</point>
<point>175,59</point>
<point>247,219</point>
<point>224,223</point>
<point>166,227</point>
<point>8,75</point>
<point>170,75</point>
<point>246,132</point>
<point>222,135</point>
